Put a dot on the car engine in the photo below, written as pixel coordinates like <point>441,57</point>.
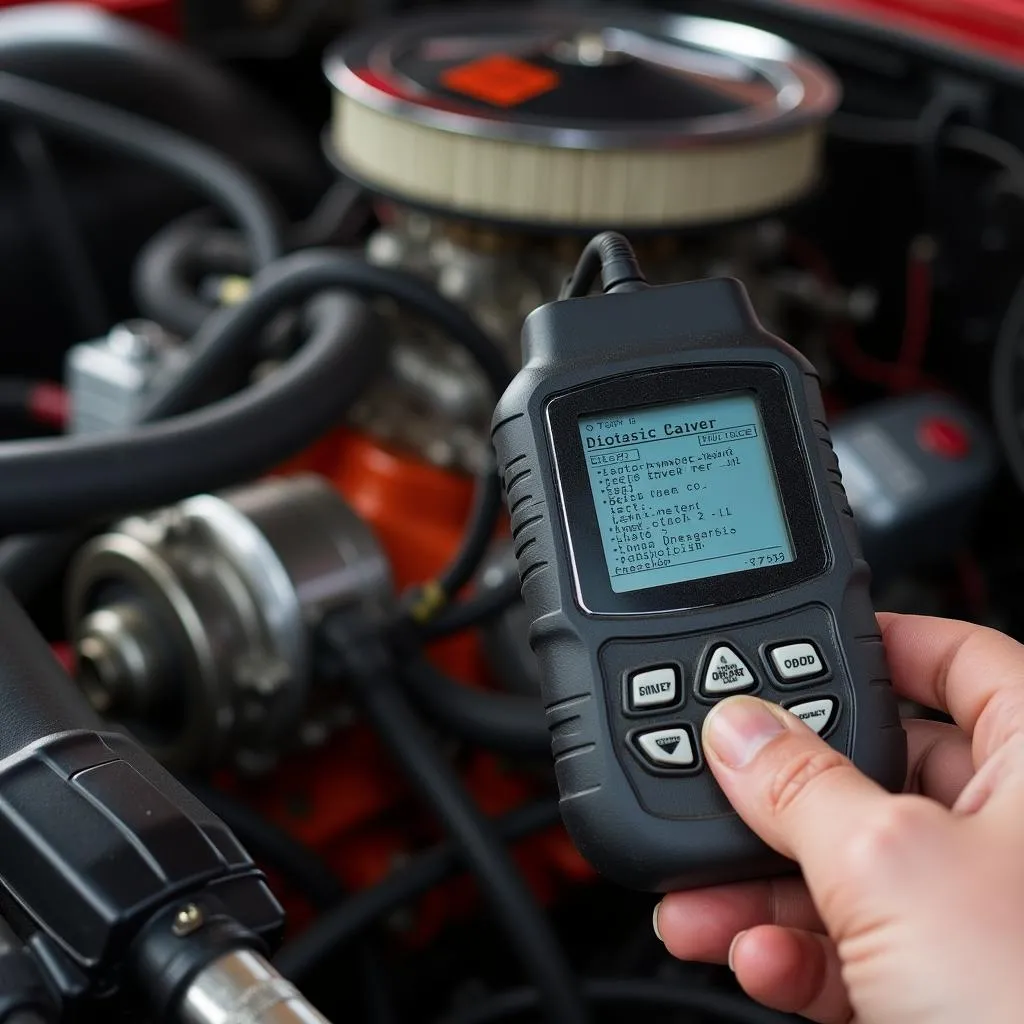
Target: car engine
<point>267,269</point>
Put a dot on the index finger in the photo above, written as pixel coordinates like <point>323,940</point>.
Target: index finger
<point>973,673</point>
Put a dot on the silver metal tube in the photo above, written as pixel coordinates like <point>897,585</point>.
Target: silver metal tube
<point>242,988</point>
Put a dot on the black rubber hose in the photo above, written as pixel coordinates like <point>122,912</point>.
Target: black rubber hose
<point>212,175</point>
<point>662,995</point>
<point>485,605</point>
<point>176,257</point>
<point>507,723</point>
<point>169,264</point>
<point>305,872</point>
<point>329,933</point>
<point>368,673</point>
<point>37,697</point>
<point>51,484</point>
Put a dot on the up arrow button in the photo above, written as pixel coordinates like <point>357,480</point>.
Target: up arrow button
<point>726,672</point>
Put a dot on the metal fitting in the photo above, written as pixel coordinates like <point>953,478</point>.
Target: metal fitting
<point>112,379</point>
<point>243,987</point>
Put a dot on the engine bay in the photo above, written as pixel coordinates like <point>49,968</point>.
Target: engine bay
<point>268,266</point>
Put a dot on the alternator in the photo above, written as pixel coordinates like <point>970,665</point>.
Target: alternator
<point>193,625</point>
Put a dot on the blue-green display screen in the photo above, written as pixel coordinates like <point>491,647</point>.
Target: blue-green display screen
<point>684,492</point>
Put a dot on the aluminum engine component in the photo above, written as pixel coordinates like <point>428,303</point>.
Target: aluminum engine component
<point>580,119</point>
<point>193,625</point>
<point>110,380</point>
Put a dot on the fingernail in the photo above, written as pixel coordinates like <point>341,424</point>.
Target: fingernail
<point>657,930</point>
<point>732,949</point>
<point>738,728</point>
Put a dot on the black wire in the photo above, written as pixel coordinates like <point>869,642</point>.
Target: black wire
<point>326,936</point>
<point>962,138</point>
<point>1006,360</point>
<point>487,506</point>
<point>305,872</point>
<point>507,723</point>
<point>16,399</point>
<point>721,1006</point>
<point>482,607</point>
<point>229,187</point>
<point>366,667</point>
<point>610,255</point>
<point>342,212</point>
<point>61,234</point>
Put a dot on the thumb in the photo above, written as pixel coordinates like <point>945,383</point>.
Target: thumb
<point>798,794</point>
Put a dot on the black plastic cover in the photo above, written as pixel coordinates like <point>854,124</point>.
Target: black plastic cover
<point>95,838</point>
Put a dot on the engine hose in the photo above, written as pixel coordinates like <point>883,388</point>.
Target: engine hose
<point>481,608</point>
<point>658,995</point>
<point>368,672</point>
<point>506,723</point>
<point>51,484</point>
<point>330,932</point>
<point>169,264</point>
<point>212,175</point>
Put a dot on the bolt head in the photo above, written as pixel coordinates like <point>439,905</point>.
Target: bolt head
<point>187,920</point>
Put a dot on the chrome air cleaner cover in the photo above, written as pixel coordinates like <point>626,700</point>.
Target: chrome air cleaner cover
<point>575,119</point>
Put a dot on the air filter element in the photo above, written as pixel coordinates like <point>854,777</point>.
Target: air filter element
<point>571,119</point>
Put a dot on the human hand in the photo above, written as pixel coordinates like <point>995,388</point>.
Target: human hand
<point>911,907</point>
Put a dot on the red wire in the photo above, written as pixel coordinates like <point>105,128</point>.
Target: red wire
<point>917,326</point>
<point>907,374</point>
<point>49,404</point>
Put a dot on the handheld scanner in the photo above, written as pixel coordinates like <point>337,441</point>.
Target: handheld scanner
<point>682,535</point>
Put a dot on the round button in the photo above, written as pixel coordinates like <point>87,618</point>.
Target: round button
<point>943,437</point>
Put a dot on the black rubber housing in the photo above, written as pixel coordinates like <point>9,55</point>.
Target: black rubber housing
<point>644,828</point>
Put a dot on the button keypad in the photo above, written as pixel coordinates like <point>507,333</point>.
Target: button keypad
<point>650,688</point>
<point>663,687</point>
<point>668,748</point>
<point>796,662</point>
<point>817,713</point>
<point>725,672</point>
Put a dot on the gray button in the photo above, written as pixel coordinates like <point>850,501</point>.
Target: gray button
<point>797,661</point>
<point>654,687</point>
<point>818,713</point>
<point>668,748</point>
<point>727,672</point>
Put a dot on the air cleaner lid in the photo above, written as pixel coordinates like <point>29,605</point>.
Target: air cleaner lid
<point>579,118</point>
